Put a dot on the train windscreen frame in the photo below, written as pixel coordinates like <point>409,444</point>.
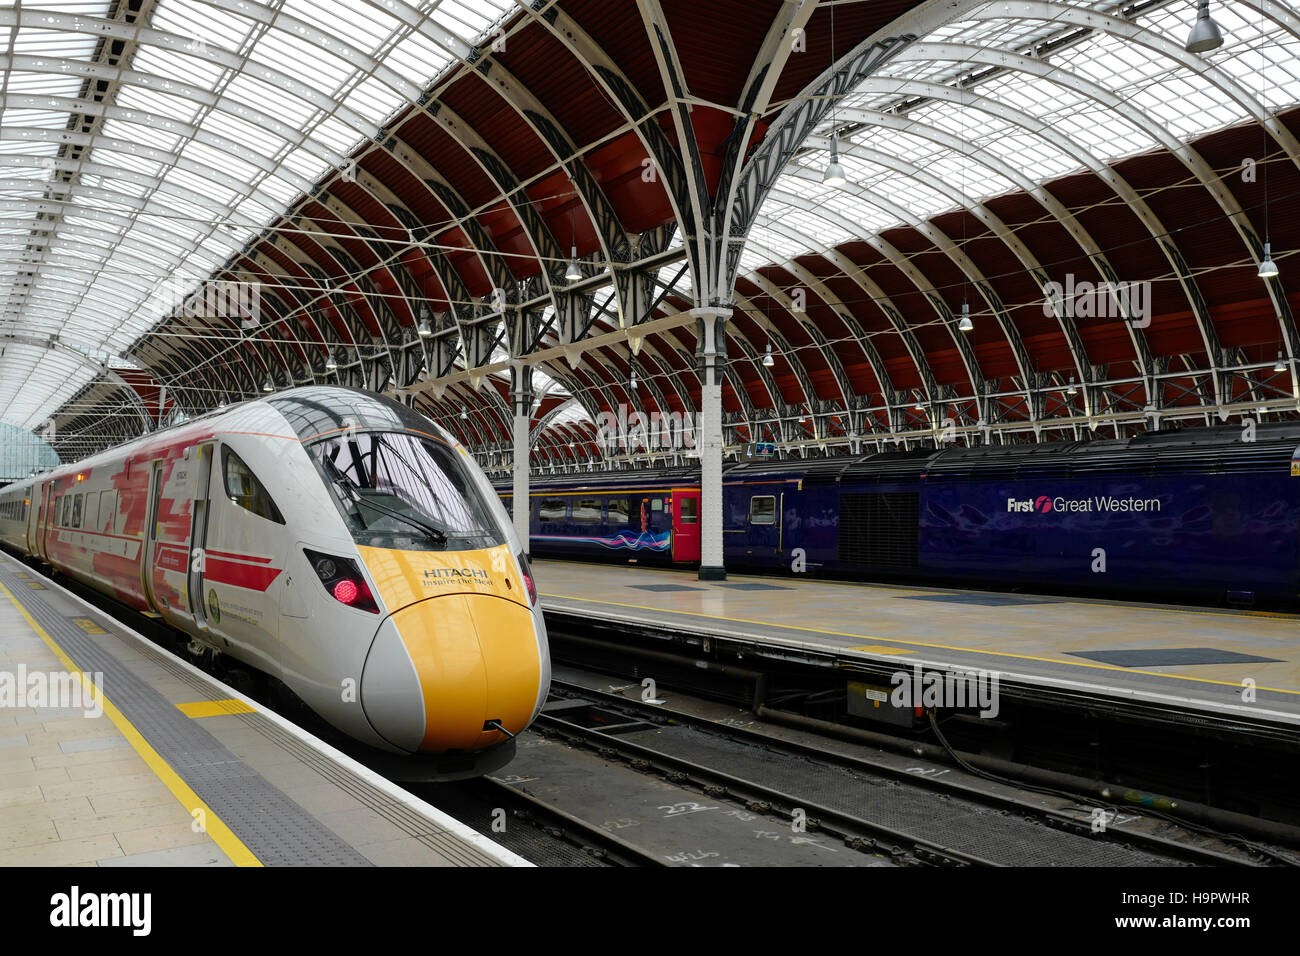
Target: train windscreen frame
<point>404,491</point>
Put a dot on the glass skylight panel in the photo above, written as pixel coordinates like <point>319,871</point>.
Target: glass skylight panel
<point>204,23</point>
<point>468,19</point>
<point>374,100</point>
<point>416,58</point>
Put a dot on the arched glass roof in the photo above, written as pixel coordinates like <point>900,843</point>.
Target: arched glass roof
<point>1017,95</point>
<point>139,151</point>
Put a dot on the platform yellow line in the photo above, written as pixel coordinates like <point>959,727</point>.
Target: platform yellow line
<point>221,834</point>
<point>891,640</point>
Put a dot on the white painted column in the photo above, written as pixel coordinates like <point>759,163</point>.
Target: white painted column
<point>711,354</point>
<point>521,396</point>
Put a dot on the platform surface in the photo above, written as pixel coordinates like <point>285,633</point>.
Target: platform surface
<point>1202,659</point>
<point>161,765</point>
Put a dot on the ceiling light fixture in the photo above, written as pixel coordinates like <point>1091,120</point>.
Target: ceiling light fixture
<point>965,325</point>
<point>425,329</point>
<point>834,174</point>
<point>768,360</point>
<point>1205,35</point>
<point>573,273</point>
<point>331,364</point>
<point>1072,390</point>
<point>1267,268</point>
<point>1281,365</point>
<point>268,385</point>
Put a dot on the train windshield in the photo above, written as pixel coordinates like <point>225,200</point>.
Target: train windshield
<point>405,491</point>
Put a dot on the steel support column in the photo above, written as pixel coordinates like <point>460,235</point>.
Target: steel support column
<point>711,356</point>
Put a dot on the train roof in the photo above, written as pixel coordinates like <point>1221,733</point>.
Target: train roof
<point>1221,448</point>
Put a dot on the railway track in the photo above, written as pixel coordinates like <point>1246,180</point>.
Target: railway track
<point>752,768</point>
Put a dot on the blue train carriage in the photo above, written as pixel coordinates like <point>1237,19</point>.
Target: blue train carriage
<point>645,518</point>
<point>1198,514</point>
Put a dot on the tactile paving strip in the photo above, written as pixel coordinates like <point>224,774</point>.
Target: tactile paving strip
<point>275,828</point>
<point>1172,657</point>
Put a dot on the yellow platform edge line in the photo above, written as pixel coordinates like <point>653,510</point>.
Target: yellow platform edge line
<point>942,647</point>
<point>221,834</point>
<point>214,708</point>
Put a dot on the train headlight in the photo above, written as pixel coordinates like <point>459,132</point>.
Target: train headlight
<point>528,578</point>
<point>342,579</point>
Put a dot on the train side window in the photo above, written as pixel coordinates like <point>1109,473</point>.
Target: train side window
<point>551,509</point>
<point>243,488</point>
<point>586,510</point>
<point>619,509</point>
<point>762,509</point>
<point>689,513</point>
<point>74,520</point>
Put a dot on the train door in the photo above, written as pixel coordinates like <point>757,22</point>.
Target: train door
<point>43,502</point>
<point>244,556</point>
<point>764,525</point>
<point>199,534</point>
<point>151,537</point>
<point>686,524</point>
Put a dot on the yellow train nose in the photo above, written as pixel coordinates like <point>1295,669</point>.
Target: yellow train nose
<point>469,659</point>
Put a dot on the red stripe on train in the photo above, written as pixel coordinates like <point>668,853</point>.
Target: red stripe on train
<point>249,576</point>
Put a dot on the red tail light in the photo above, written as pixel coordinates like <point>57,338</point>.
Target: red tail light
<point>342,579</point>
<point>528,579</point>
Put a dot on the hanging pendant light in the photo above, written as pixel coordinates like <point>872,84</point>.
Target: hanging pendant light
<point>834,175</point>
<point>425,329</point>
<point>768,360</point>
<point>268,385</point>
<point>1205,35</point>
<point>965,325</point>
<point>1072,390</point>
<point>331,364</point>
<point>464,412</point>
<point>1281,365</point>
<point>1268,268</point>
<point>920,405</point>
<point>573,273</point>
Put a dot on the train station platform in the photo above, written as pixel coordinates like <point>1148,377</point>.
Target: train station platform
<point>114,752</point>
<point>1232,666</point>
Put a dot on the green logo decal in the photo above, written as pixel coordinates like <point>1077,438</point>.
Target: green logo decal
<point>214,607</point>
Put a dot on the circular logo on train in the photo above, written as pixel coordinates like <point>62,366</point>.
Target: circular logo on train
<point>214,607</point>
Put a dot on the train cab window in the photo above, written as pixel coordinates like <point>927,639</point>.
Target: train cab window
<point>690,512</point>
<point>243,488</point>
<point>587,509</point>
<point>552,509</point>
<point>74,520</point>
<point>762,509</point>
<point>656,504</point>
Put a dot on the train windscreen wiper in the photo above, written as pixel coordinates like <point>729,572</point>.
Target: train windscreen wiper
<point>435,534</point>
